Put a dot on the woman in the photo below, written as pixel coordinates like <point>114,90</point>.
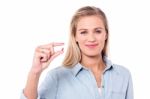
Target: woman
<point>86,72</point>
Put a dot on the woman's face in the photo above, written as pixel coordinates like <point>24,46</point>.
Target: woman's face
<point>91,35</point>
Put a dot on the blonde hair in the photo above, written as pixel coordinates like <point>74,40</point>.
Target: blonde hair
<point>73,54</point>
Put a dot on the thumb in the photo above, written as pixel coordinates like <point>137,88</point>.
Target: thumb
<point>55,55</point>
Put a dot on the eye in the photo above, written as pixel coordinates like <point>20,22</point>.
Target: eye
<point>98,31</point>
<point>83,32</point>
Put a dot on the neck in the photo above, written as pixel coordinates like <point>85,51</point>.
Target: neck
<point>95,63</point>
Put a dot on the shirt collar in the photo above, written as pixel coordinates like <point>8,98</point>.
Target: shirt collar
<point>109,64</point>
<point>78,67</point>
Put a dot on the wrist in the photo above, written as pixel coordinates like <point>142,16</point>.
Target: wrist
<point>35,73</point>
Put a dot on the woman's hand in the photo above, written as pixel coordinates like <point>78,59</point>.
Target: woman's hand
<point>43,56</point>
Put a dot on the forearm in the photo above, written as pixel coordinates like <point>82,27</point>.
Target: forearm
<point>31,87</point>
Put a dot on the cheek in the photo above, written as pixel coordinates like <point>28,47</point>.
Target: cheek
<point>81,44</point>
<point>77,38</point>
<point>101,43</point>
<point>80,39</point>
<point>101,39</point>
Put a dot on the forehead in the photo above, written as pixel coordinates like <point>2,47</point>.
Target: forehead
<point>90,22</point>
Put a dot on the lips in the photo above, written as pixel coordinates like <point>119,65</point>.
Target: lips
<point>91,45</point>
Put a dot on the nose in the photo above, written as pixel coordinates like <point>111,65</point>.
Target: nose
<point>91,37</point>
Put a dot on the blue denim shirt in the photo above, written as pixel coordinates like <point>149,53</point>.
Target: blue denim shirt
<point>79,83</point>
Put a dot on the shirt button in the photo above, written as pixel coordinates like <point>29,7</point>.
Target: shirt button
<point>102,86</point>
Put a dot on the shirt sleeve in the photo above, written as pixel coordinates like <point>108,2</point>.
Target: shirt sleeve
<point>47,89</point>
<point>129,93</point>
<point>23,96</point>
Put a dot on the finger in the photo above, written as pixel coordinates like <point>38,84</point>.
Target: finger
<point>57,44</point>
<point>42,57</point>
<point>51,45</point>
<point>45,51</point>
<point>52,50</point>
<point>55,55</point>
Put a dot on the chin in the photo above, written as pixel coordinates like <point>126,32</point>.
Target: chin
<point>92,54</point>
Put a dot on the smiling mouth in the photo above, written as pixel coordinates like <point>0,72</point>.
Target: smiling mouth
<point>91,45</point>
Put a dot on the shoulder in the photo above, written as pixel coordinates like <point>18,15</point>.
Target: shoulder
<point>121,70</point>
<point>58,72</point>
<point>116,68</point>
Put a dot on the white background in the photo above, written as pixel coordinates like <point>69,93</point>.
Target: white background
<point>25,24</point>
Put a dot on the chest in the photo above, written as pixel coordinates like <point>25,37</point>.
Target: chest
<point>85,87</point>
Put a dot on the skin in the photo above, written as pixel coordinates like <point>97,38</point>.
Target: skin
<point>43,56</point>
<point>91,36</point>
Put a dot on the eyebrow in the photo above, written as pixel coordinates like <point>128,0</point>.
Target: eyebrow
<point>87,29</point>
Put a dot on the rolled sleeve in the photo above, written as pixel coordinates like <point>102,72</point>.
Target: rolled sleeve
<point>23,96</point>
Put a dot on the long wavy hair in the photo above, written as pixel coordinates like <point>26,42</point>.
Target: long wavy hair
<point>73,54</point>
